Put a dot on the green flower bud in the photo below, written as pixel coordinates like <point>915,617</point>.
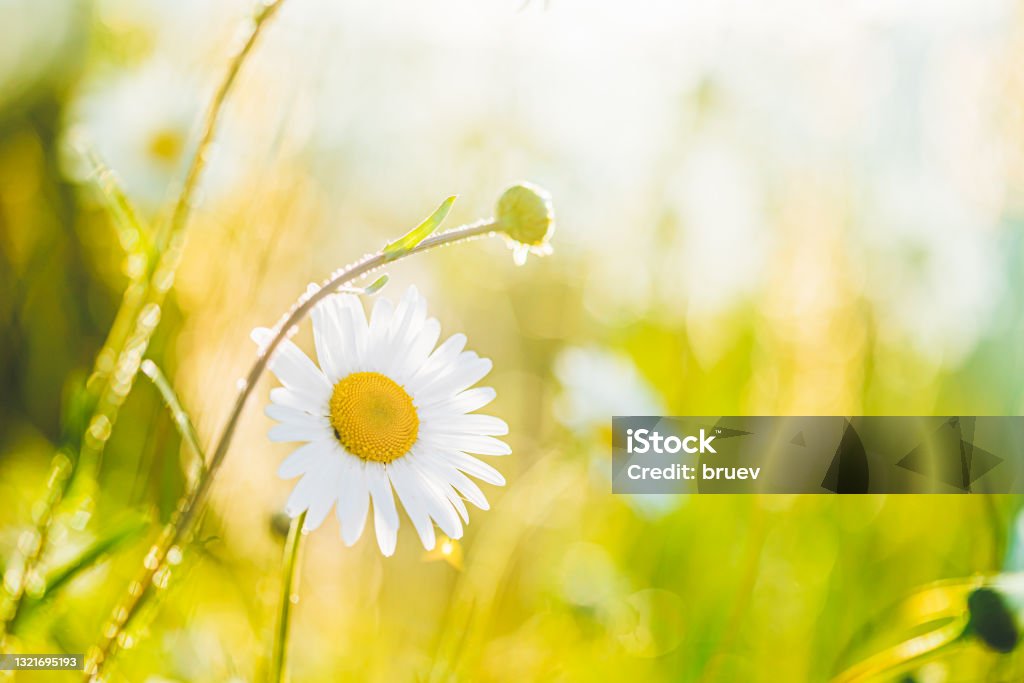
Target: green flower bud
<point>526,216</point>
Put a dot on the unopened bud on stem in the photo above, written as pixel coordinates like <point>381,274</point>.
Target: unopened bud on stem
<point>525,215</point>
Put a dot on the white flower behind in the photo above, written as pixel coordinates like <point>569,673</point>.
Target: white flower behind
<point>384,411</point>
<point>141,124</point>
<point>598,384</point>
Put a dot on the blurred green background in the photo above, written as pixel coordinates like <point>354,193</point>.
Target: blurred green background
<point>763,208</point>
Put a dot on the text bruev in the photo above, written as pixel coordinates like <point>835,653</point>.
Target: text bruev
<point>643,441</point>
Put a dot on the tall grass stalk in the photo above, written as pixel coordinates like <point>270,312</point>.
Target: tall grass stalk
<point>179,529</point>
<point>290,577</point>
<point>134,323</point>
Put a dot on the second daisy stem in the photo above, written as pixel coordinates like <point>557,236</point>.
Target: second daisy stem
<point>290,577</point>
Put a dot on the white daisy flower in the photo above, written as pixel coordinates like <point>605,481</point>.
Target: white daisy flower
<point>385,410</point>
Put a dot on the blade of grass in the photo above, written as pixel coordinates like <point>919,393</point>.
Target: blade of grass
<point>289,596</point>
<point>121,534</point>
<point>181,419</point>
<point>132,231</point>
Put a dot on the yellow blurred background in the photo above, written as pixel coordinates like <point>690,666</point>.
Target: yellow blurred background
<point>765,208</point>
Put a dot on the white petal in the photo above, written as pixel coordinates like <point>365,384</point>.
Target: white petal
<point>465,402</point>
<point>409,316</point>
<point>327,337</point>
<point>412,497</point>
<point>484,425</point>
<point>284,433</point>
<point>457,503</point>
<point>385,515</point>
<point>324,495</point>
<point>283,397</point>
<point>471,443</point>
<point>463,484</point>
<point>439,363</point>
<point>470,370</point>
<point>353,499</point>
<point>437,504</point>
<point>304,458</point>
<point>440,482</point>
<point>302,495</point>
<point>470,465</point>
<point>354,332</point>
<point>294,368</point>
<point>377,354</point>
<point>415,355</point>
<point>294,416</point>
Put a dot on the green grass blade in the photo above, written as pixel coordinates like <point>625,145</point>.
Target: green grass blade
<point>121,534</point>
<point>290,572</point>
<point>181,419</point>
<point>132,231</point>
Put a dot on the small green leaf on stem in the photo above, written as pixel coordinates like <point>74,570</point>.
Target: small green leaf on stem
<point>376,285</point>
<point>408,242</point>
<point>368,290</point>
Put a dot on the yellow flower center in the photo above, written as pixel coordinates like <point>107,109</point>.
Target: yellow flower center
<point>373,417</point>
<point>166,146</point>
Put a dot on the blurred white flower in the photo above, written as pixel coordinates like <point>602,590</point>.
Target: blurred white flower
<point>597,384</point>
<point>589,577</point>
<point>384,410</point>
<point>141,124</point>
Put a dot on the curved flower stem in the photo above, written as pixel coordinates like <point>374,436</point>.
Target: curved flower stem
<point>134,324</point>
<point>289,596</point>
<point>179,529</point>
